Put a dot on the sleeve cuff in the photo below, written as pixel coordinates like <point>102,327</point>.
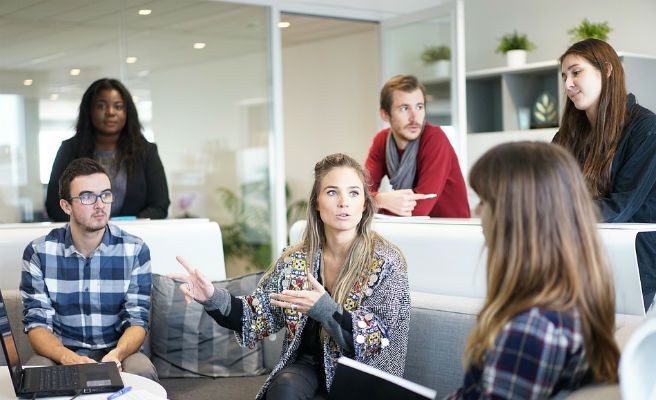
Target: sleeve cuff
<point>220,301</point>
<point>323,309</point>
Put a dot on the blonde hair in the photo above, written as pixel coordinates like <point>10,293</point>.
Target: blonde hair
<point>358,260</point>
<point>543,249</point>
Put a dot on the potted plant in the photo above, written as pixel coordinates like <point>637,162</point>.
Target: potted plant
<point>246,239</point>
<point>587,29</point>
<point>439,57</point>
<point>514,46</point>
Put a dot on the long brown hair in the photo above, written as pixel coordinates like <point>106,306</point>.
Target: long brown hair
<point>543,249</point>
<point>594,148</point>
<point>357,262</point>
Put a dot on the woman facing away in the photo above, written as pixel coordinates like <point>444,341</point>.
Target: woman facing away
<point>614,141</point>
<point>548,317</point>
<point>108,130</point>
<point>343,290</point>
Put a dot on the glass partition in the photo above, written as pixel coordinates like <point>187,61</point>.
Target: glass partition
<point>199,72</point>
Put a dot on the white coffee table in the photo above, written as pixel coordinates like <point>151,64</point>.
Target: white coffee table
<point>137,382</point>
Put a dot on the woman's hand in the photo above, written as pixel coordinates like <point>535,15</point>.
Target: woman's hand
<point>299,300</point>
<point>197,286</point>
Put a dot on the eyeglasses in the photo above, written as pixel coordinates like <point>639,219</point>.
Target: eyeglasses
<point>91,198</point>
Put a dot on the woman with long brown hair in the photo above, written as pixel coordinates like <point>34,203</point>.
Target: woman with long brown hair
<point>614,141</point>
<point>548,317</point>
<point>342,291</point>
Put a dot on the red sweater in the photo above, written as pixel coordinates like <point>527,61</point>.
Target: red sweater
<point>437,172</point>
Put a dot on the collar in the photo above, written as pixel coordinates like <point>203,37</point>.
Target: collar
<point>107,239</point>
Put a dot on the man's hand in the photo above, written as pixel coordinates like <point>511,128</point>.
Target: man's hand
<point>399,202</point>
<point>113,356</point>
<point>72,358</point>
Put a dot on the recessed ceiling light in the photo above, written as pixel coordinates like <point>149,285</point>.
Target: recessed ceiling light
<point>27,82</point>
<point>284,24</point>
<point>131,60</point>
<point>54,97</point>
<point>75,72</point>
<point>145,12</point>
<point>199,45</point>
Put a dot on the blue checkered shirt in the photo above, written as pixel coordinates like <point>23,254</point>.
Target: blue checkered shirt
<point>537,354</point>
<point>86,302</point>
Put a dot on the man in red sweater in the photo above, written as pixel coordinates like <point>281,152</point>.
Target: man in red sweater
<point>416,156</point>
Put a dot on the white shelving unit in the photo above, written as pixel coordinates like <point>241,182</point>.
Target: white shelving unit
<point>494,97</point>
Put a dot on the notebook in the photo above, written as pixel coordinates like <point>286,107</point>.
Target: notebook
<point>59,380</point>
<point>355,380</point>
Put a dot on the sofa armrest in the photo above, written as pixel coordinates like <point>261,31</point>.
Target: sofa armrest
<point>14,306</point>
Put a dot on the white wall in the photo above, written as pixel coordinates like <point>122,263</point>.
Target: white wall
<point>546,23</point>
<point>201,126</point>
<point>330,94</point>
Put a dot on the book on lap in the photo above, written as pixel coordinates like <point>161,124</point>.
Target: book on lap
<point>354,379</point>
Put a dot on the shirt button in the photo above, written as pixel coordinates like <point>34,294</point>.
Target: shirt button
<point>86,289</point>
<point>362,324</point>
<point>359,339</point>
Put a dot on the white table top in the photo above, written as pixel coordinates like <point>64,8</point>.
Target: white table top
<point>137,382</point>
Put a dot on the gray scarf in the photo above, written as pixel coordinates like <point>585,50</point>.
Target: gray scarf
<point>402,172</point>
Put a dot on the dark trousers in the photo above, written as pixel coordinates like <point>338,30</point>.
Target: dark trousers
<point>298,381</point>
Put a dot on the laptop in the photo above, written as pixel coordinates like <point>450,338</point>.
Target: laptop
<point>59,380</point>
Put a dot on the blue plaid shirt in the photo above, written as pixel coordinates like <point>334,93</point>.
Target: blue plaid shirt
<point>86,302</point>
<point>536,354</point>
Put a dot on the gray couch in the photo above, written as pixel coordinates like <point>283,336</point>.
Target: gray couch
<point>438,330</point>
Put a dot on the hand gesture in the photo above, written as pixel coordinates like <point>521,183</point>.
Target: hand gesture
<point>400,202</point>
<point>299,300</point>
<point>196,287</point>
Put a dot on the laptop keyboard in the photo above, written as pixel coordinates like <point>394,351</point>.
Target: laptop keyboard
<point>58,377</point>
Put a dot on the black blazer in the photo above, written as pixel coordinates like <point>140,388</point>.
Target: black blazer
<point>147,193</point>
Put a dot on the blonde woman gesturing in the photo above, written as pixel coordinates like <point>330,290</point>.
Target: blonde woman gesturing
<point>342,291</point>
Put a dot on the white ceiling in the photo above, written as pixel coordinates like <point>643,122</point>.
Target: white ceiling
<point>43,39</point>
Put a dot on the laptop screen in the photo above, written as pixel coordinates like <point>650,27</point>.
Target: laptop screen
<point>9,345</point>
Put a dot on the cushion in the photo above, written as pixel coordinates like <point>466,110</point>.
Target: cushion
<point>187,342</point>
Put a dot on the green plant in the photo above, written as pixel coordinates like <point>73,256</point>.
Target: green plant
<point>249,234</point>
<point>587,29</point>
<point>514,41</point>
<point>432,54</point>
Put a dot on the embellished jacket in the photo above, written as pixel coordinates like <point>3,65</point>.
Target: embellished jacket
<point>379,307</point>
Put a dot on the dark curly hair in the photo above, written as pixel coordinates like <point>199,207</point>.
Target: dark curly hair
<point>131,144</point>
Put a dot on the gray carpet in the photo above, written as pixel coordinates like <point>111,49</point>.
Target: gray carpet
<point>237,388</point>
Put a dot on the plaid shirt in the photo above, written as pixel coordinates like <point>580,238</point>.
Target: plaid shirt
<point>536,354</point>
<point>86,302</point>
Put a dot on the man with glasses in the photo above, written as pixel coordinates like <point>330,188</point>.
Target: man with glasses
<point>86,286</point>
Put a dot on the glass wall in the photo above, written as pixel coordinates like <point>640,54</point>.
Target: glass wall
<point>199,72</point>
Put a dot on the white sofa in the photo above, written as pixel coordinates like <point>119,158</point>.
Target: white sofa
<point>197,240</point>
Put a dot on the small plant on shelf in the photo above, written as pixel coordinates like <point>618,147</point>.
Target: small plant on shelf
<point>590,30</point>
<point>433,54</point>
<point>514,41</point>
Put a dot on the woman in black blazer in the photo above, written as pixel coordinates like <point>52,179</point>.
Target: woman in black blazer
<point>108,130</point>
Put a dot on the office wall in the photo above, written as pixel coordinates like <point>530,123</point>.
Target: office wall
<point>547,22</point>
<point>330,94</point>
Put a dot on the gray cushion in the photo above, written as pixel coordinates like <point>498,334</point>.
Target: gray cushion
<point>187,342</point>
<point>435,344</point>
